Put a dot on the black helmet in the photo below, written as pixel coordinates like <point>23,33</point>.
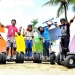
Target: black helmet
<point>62,19</point>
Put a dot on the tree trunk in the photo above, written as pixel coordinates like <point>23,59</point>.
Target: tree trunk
<point>65,12</point>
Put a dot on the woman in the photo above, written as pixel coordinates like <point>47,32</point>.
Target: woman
<point>45,38</point>
<point>28,34</point>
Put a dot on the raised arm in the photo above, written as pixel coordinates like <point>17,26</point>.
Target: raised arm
<point>54,23</point>
<point>72,20</point>
<point>24,32</point>
<point>48,24</point>
<point>3,26</point>
<point>20,29</point>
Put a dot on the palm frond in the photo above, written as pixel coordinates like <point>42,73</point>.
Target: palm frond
<point>52,2</point>
<point>71,1</point>
<point>34,23</point>
<point>60,10</point>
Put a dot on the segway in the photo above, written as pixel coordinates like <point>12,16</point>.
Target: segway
<point>3,58</point>
<point>20,46</point>
<point>66,59</point>
<point>42,56</point>
<point>18,56</point>
<point>3,53</point>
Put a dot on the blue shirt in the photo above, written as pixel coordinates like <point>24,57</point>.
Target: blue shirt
<point>45,34</point>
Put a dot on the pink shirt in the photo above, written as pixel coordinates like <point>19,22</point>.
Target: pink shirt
<point>11,30</point>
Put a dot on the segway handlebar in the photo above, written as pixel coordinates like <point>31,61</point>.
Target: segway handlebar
<point>48,20</point>
<point>53,24</point>
<point>59,36</point>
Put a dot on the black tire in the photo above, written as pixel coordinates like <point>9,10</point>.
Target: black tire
<point>37,58</point>
<point>68,60</point>
<point>34,55</point>
<point>58,59</point>
<point>0,58</point>
<point>52,59</point>
<point>21,57</point>
<point>3,58</point>
<point>17,58</point>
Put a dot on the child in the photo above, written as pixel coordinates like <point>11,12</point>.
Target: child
<point>29,41</point>
<point>65,31</point>
<point>11,32</point>
<point>45,38</point>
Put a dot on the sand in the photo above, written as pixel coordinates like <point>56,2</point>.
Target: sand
<point>30,68</point>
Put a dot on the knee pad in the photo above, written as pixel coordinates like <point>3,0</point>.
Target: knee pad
<point>14,48</point>
<point>7,48</point>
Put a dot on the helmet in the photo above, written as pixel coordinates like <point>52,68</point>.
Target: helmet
<point>62,19</point>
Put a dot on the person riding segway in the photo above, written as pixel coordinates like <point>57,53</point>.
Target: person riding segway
<point>11,43</point>
<point>65,38</point>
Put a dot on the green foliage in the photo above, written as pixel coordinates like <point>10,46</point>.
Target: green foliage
<point>34,23</point>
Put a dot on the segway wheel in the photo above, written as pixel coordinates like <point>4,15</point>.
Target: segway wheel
<point>52,59</point>
<point>58,59</point>
<point>17,58</point>
<point>0,58</point>
<point>21,57</point>
<point>34,56</point>
<point>3,58</point>
<point>37,58</point>
<point>70,61</point>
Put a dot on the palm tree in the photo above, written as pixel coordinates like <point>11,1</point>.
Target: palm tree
<point>64,4</point>
<point>34,23</point>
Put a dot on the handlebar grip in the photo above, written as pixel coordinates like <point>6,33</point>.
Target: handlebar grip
<point>59,36</point>
<point>48,20</point>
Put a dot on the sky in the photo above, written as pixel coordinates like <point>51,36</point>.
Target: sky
<point>24,11</point>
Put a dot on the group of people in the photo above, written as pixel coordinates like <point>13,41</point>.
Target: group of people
<point>29,36</point>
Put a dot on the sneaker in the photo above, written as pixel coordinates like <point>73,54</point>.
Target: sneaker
<point>26,57</point>
<point>47,57</point>
<point>8,57</point>
<point>30,57</point>
<point>43,57</point>
<point>14,57</point>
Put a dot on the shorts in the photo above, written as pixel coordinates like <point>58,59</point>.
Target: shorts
<point>8,43</point>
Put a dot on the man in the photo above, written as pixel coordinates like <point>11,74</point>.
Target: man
<point>65,31</point>
<point>12,29</point>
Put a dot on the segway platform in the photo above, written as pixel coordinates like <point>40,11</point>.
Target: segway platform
<point>28,59</point>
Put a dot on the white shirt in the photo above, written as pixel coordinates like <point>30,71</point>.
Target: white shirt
<point>28,35</point>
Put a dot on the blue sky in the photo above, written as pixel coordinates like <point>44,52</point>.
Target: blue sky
<point>24,11</point>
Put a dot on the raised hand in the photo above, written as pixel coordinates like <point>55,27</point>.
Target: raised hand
<point>20,28</point>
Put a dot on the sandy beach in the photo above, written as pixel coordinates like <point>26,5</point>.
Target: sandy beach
<point>30,68</point>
